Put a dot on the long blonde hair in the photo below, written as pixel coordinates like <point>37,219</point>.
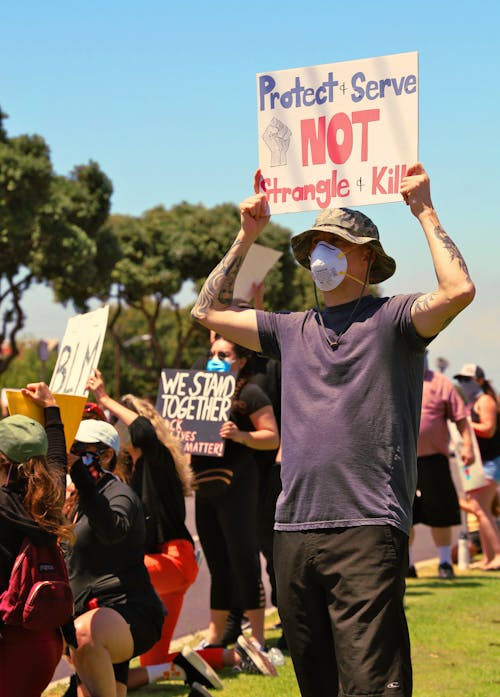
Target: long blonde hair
<point>165,435</point>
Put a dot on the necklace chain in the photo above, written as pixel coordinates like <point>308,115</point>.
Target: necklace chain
<point>336,342</point>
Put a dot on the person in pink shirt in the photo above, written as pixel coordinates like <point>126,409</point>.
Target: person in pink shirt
<point>436,502</point>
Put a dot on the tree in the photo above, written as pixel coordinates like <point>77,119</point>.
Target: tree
<point>129,365</point>
<point>28,366</point>
<point>51,231</point>
<point>161,251</point>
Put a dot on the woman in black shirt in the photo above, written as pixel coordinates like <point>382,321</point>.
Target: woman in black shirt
<point>227,498</point>
<point>161,477</point>
<point>119,615</point>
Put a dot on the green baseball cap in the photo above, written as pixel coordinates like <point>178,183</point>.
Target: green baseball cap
<point>22,438</point>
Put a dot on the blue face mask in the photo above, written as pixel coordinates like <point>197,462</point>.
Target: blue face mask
<point>217,365</point>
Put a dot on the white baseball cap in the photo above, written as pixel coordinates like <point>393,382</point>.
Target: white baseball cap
<point>94,431</point>
<point>470,370</point>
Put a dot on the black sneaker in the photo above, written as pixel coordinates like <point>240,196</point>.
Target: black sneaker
<point>72,687</point>
<point>445,570</point>
<point>412,572</point>
<point>198,690</point>
<point>253,660</point>
<point>197,669</point>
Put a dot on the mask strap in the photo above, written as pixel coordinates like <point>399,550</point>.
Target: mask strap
<point>353,278</point>
<point>344,254</point>
<point>341,252</point>
<point>368,269</point>
<point>334,344</point>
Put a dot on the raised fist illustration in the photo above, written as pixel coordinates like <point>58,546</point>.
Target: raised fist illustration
<point>277,138</point>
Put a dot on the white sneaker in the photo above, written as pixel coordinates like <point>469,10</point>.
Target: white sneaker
<point>198,690</point>
<point>197,669</point>
<point>253,659</point>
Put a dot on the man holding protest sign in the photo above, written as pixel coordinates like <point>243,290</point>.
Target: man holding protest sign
<point>352,382</point>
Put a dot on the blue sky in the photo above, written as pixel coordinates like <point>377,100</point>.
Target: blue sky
<point>162,95</point>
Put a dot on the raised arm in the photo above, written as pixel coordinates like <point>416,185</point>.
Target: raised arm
<point>39,393</point>
<point>96,384</point>
<point>433,311</point>
<point>466,450</point>
<point>213,307</point>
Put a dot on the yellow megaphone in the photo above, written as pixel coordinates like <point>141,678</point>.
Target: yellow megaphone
<point>70,405</point>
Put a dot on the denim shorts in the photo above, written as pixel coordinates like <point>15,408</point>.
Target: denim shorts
<point>492,469</point>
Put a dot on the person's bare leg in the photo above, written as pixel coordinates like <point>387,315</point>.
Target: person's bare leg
<point>442,540</point>
<point>137,677</point>
<point>488,528</point>
<point>441,536</point>
<point>256,618</point>
<point>121,690</point>
<point>216,626</point>
<point>103,638</point>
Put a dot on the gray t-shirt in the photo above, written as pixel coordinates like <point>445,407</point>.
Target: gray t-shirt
<point>350,416</point>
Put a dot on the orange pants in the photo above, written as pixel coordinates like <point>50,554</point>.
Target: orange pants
<point>172,572</point>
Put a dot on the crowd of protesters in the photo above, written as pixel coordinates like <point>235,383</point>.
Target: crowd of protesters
<point>120,515</point>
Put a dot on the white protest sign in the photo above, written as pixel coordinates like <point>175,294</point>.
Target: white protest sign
<point>471,476</point>
<point>257,263</point>
<point>79,352</point>
<point>195,403</point>
<point>337,134</point>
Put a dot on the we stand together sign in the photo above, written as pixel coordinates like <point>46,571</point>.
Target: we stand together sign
<point>337,134</point>
<point>195,403</point>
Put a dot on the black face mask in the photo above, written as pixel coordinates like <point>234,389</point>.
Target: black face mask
<point>91,461</point>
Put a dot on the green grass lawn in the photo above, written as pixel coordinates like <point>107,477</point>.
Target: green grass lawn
<point>455,632</point>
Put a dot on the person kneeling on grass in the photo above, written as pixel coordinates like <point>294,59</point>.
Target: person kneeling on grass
<point>193,669</point>
<point>198,666</point>
<point>118,615</point>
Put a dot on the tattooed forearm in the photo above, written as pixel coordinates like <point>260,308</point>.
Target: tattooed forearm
<point>219,286</point>
<point>452,249</point>
<point>225,296</point>
<point>448,320</point>
<point>424,302</point>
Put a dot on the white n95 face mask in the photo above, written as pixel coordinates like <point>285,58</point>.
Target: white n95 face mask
<point>328,266</point>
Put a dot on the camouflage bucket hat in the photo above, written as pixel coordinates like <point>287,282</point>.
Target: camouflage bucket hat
<point>352,226</point>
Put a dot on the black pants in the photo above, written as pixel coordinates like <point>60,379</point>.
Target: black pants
<point>340,598</point>
<point>227,528</point>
